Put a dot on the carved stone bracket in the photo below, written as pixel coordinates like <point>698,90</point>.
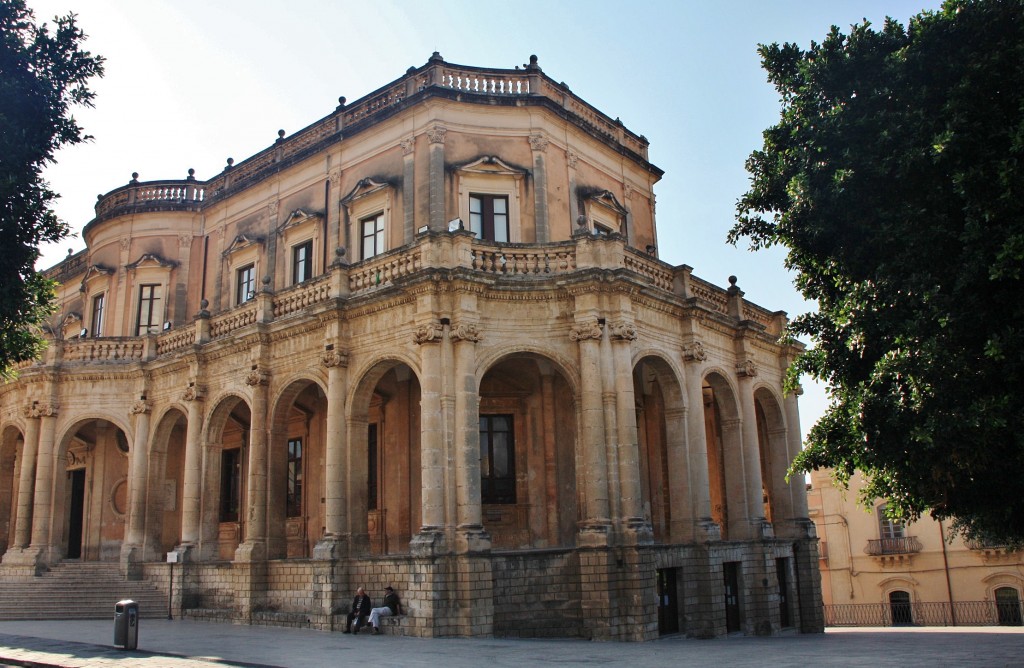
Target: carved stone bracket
<point>408,145</point>
<point>622,331</point>
<point>694,352</point>
<point>332,358</point>
<point>465,332</point>
<point>194,393</point>
<point>257,377</point>
<point>538,143</point>
<point>429,333</point>
<point>584,331</point>
<point>746,369</point>
<point>140,407</point>
<point>436,134</point>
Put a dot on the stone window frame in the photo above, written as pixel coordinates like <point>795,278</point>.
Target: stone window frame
<point>242,252</point>
<point>369,199</point>
<point>603,210</point>
<point>96,283</point>
<point>150,269</point>
<point>490,175</point>
<point>299,228</point>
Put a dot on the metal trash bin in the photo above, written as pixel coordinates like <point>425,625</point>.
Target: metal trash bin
<point>126,624</point>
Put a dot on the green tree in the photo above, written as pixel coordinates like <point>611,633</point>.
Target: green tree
<point>42,75</point>
<point>895,179</point>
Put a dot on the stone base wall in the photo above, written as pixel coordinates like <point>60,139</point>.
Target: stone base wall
<point>537,595</point>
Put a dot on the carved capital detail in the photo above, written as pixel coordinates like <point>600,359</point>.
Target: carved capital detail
<point>273,207</point>
<point>694,352</point>
<point>334,358</point>
<point>430,333</point>
<point>194,393</point>
<point>539,143</point>
<point>126,243</point>
<point>622,331</point>
<point>408,145</point>
<point>40,410</point>
<point>140,407</point>
<point>586,330</point>
<point>466,331</point>
<point>628,192</point>
<point>746,369</point>
<point>436,134</point>
<point>257,377</point>
<point>184,240</point>
<point>334,177</point>
<point>571,158</point>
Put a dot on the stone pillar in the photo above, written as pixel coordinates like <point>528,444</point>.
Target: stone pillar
<point>42,512</point>
<point>596,522</point>
<point>753,480</point>
<point>192,485</point>
<point>798,489</point>
<point>254,547</point>
<point>539,144</point>
<point>409,189</point>
<point>703,527</point>
<point>553,532</point>
<point>627,446</point>
<point>335,525</point>
<point>571,160</point>
<point>138,482</point>
<point>471,536</point>
<point>23,522</point>
<point>432,460</point>
<point>436,137</point>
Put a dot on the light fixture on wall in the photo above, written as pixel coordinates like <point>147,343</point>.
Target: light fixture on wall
<point>167,325</point>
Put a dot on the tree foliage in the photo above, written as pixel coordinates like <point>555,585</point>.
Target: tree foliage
<point>895,179</point>
<point>43,74</point>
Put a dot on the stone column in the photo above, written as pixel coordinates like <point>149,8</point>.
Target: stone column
<point>336,362</point>
<point>596,522</point>
<point>192,485</point>
<point>254,546</point>
<point>794,439</point>
<point>471,536</point>
<point>138,482</point>
<point>409,188</point>
<point>42,512</point>
<point>23,522</point>
<point>436,137</point>
<point>539,144</point>
<point>753,480</point>
<point>704,528</point>
<point>628,448</point>
<point>432,460</point>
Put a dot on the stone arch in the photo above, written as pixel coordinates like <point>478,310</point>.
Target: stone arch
<point>567,367</point>
<point>528,430</point>
<point>383,474</point>
<point>89,512</point>
<point>662,439</point>
<point>12,448</point>
<point>725,453</point>
<point>225,445</point>
<point>298,424</point>
<point>166,481</point>
<point>773,446</point>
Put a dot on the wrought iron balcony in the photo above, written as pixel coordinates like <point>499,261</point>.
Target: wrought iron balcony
<point>887,546</point>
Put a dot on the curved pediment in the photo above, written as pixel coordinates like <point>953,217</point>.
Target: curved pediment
<point>364,188</point>
<point>490,164</point>
<point>151,260</point>
<point>297,218</point>
<point>241,242</point>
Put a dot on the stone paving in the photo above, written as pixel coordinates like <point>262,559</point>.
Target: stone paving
<point>173,644</point>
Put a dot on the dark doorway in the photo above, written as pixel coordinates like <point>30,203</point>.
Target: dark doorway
<point>1008,606</point>
<point>77,478</point>
<point>732,596</point>
<point>668,602</point>
<point>782,574</point>
<point>902,614</point>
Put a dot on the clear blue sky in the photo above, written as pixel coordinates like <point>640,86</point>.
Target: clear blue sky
<point>190,83</point>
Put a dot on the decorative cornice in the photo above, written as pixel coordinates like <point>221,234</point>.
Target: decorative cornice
<point>622,331</point>
<point>436,134</point>
<point>257,376</point>
<point>585,331</point>
<point>694,352</point>
<point>465,332</point>
<point>429,333</point>
<point>746,369</point>
<point>408,145</point>
<point>539,143</point>
<point>334,358</point>
<point>140,407</point>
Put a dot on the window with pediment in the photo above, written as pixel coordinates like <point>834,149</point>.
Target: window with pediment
<point>244,257</point>
<point>302,234</point>
<point>95,288</point>
<point>605,213</point>
<point>489,192</point>
<point>151,276</point>
<point>369,207</point>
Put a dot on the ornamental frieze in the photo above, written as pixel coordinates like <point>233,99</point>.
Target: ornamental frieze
<point>465,332</point>
<point>585,331</point>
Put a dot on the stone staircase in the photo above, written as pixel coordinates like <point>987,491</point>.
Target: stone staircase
<point>78,590</point>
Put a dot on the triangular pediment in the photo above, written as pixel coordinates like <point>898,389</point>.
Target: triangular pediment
<point>241,242</point>
<point>298,217</point>
<point>151,260</point>
<point>364,188</point>
<point>490,164</point>
<point>607,199</point>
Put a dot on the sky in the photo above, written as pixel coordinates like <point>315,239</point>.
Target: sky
<point>190,83</point>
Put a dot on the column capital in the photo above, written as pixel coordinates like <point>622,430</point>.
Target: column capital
<point>694,352</point>
<point>436,134</point>
<point>622,330</point>
<point>539,143</point>
<point>465,331</point>
<point>37,410</point>
<point>257,376</point>
<point>194,392</point>
<point>586,330</point>
<point>408,145</point>
<point>334,358</point>
<point>428,333</point>
<point>746,369</point>
<point>140,407</point>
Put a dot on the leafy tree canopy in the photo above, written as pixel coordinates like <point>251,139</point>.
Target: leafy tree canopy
<point>42,75</point>
<point>895,179</point>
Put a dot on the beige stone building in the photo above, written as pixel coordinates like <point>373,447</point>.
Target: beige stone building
<point>427,341</point>
<point>876,572</point>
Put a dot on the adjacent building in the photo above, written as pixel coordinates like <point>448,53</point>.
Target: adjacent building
<point>425,341</point>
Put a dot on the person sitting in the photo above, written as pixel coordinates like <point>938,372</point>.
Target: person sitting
<point>392,606</point>
<point>361,606</point>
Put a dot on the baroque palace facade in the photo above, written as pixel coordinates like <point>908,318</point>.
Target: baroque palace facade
<point>425,341</point>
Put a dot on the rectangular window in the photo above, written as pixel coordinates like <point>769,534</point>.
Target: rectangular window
<point>497,459</point>
<point>886,527</point>
<point>488,217</point>
<point>294,493</point>
<point>149,309</point>
<point>246,280</point>
<point>97,314</point>
<point>302,262</point>
<point>373,235</point>
<point>230,484</point>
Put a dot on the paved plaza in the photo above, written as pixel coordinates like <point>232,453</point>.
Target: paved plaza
<point>172,644</point>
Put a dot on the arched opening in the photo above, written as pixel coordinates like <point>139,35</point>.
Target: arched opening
<point>900,609</point>
<point>91,491</point>
<point>527,421</point>
<point>166,484</point>
<point>12,445</point>
<point>1008,606</point>
<point>725,458</point>
<point>297,443</point>
<point>772,447</point>
<point>225,469</point>
<point>384,467</point>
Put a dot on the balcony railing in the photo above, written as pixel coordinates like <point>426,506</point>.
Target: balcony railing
<point>960,613</point>
<point>884,546</point>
